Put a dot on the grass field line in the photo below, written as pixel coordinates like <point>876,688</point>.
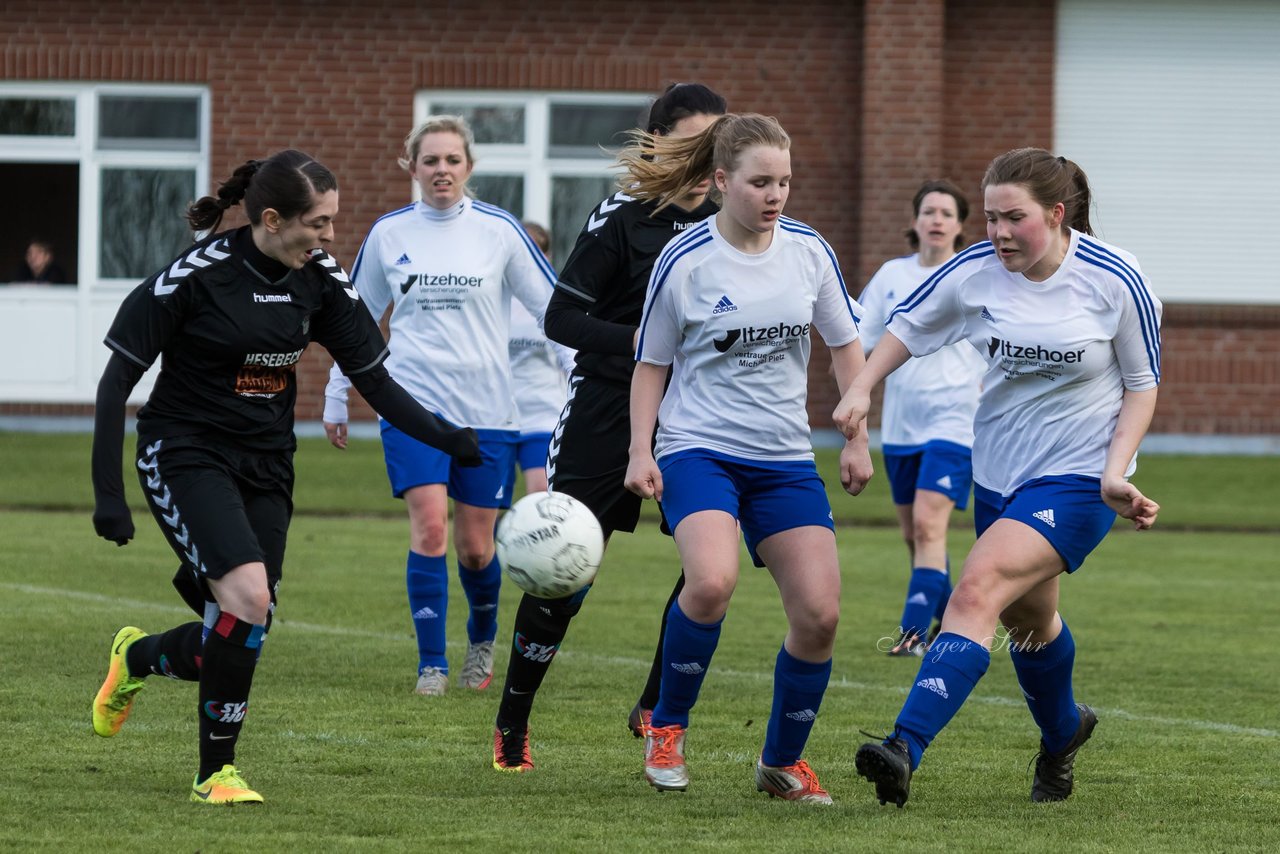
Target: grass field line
<point>838,682</point>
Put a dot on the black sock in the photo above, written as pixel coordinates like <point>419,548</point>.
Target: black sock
<point>540,627</point>
<point>175,653</point>
<point>649,697</point>
<point>226,674</point>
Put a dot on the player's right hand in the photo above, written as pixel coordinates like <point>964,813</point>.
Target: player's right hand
<point>465,448</point>
<point>644,478</point>
<point>337,435</point>
<point>113,521</point>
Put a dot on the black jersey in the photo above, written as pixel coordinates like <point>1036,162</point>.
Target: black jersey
<point>608,272</point>
<point>231,324</point>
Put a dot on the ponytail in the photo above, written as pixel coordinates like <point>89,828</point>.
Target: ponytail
<point>206,213</point>
<point>1080,200</point>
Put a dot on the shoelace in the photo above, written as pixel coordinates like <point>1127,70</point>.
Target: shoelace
<point>663,752</point>
<point>801,769</point>
<point>474,669</point>
<point>512,756</point>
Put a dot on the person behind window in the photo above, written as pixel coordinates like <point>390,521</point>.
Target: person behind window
<point>38,266</point>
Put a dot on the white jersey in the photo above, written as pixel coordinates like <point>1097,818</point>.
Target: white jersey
<point>736,327</point>
<point>449,277</point>
<point>1060,354</point>
<point>934,397</point>
<point>539,380</point>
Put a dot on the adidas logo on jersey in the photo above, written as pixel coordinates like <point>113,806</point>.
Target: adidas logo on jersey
<point>937,686</point>
<point>945,481</point>
<point>402,260</point>
<point>725,305</point>
<point>804,715</point>
<point>425,613</point>
<point>986,315</point>
<point>692,668</point>
<point>1046,516</point>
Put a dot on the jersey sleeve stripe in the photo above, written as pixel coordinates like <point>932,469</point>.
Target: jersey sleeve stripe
<point>797,227</point>
<point>675,250</point>
<point>561,284</point>
<point>117,347</point>
<point>974,252</point>
<point>1094,254</point>
<point>355,269</point>
<point>381,357</point>
<point>541,260</point>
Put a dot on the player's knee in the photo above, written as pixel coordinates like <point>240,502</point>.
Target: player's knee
<point>475,555</point>
<point>818,627</point>
<point>708,598</point>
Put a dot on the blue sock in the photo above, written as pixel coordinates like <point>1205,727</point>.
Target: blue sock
<point>686,654</point>
<point>948,673</point>
<point>482,595</point>
<point>922,600</point>
<point>428,581</point>
<point>1045,677</point>
<point>798,687</point>
<point>946,595</point>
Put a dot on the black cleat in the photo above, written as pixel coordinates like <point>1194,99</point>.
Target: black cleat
<point>909,645</point>
<point>639,719</point>
<point>1053,780</point>
<point>887,765</point>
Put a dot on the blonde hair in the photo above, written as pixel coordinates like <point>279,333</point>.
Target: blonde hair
<point>437,124</point>
<point>667,168</point>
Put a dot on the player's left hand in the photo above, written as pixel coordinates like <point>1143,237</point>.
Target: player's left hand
<point>465,448</point>
<point>1125,498</point>
<point>853,407</point>
<point>644,478</point>
<point>855,465</point>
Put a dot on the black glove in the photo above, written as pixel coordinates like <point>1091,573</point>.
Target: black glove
<point>464,447</point>
<point>113,521</point>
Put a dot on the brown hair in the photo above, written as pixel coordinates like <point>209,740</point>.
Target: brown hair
<point>667,168</point>
<point>285,181</point>
<point>940,185</point>
<point>1048,179</point>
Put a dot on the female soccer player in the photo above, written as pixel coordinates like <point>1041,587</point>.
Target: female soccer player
<point>1071,333</point>
<point>730,304</point>
<point>927,425</point>
<point>231,316</point>
<point>539,383</point>
<point>448,266</point>
<point>596,310</point>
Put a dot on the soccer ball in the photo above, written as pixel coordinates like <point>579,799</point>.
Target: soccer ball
<point>550,544</point>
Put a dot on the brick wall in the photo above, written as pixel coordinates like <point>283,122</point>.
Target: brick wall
<point>878,95</point>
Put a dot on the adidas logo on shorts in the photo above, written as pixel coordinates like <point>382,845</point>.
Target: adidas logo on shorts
<point>1045,516</point>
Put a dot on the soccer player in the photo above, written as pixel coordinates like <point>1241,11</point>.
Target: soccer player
<point>538,380</point>
<point>730,305</point>
<point>927,424</point>
<point>596,310</point>
<point>231,317</point>
<point>1071,334</point>
<point>448,267</point>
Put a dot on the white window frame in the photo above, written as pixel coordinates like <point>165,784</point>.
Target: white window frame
<point>82,149</point>
<point>532,159</point>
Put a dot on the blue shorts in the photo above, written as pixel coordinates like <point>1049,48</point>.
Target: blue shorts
<point>531,452</point>
<point>765,498</point>
<point>1067,510</point>
<point>938,466</point>
<point>411,463</point>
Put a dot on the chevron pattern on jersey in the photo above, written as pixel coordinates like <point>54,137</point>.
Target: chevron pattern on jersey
<point>330,265</point>
<point>197,259</point>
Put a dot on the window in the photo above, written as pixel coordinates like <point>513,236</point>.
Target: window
<point>543,156</point>
<point>104,173</point>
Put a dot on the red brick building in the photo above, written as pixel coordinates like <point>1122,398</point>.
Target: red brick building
<point>878,95</point>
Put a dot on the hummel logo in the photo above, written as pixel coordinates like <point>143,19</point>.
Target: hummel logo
<point>692,668</point>
<point>402,260</point>
<point>804,715</point>
<point>945,481</point>
<point>725,305</point>
<point>425,613</point>
<point>1045,516</point>
<point>986,315</point>
<point>937,686</point>
<point>918,599</point>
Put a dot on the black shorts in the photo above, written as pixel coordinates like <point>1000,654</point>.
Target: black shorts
<point>588,457</point>
<point>218,506</point>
